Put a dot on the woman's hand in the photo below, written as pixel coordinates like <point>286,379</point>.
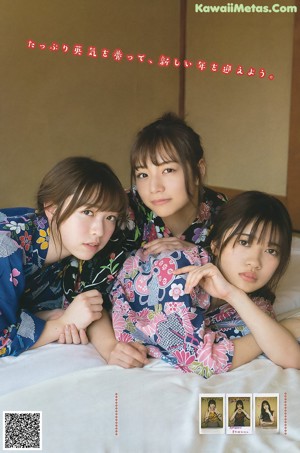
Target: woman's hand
<point>85,309</point>
<point>210,279</point>
<point>164,244</point>
<point>72,335</point>
<point>128,355</point>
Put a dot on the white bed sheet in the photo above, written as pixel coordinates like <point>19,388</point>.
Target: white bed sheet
<point>157,406</point>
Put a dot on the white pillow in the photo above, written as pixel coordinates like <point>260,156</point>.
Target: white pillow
<point>288,291</point>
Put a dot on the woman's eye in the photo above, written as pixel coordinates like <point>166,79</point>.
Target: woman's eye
<point>273,252</point>
<point>112,218</point>
<point>141,175</point>
<point>88,212</point>
<point>243,242</point>
<point>168,170</point>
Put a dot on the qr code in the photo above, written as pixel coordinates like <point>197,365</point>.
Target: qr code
<point>22,430</point>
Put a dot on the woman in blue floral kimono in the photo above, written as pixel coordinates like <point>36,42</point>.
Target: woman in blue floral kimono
<point>80,202</point>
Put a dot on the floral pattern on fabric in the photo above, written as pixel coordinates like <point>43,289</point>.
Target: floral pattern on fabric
<point>226,319</point>
<point>97,273</point>
<point>26,284</point>
<point>143,225</point>
<point>150,307</point>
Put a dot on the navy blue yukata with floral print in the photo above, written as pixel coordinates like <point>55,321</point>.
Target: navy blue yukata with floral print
<point>28,286</point>
<point>24,279</point>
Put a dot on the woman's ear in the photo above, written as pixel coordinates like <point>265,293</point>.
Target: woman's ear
<point>202,167</point>
<point>214,248</point>
<point>49,211</point>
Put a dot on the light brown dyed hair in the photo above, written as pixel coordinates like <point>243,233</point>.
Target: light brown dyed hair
<point>89,182</point>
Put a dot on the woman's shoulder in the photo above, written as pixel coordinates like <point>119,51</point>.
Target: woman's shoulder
<point>23,225</point>
<point>15,219</point>
<point>210,196</point>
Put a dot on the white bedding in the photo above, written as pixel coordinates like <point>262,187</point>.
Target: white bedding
<point>157,406</point>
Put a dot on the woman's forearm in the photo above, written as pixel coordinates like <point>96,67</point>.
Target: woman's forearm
<point>51,332</point>
<point>269,336</point>
<point>102,336</point>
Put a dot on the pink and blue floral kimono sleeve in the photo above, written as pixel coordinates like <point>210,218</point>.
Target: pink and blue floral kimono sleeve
<point>19,330</point>
<point>150,307</point>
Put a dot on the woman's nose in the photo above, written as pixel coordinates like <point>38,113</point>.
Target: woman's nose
<point>98,227</point>
<point>156,184</point>
<point>254,258</point>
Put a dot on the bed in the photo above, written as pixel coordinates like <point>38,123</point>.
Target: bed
<point>91,407</point>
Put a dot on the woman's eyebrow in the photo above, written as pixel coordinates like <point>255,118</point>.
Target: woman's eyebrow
<point>253,236</point>
<point>138,167</point>
<point>274,244</point>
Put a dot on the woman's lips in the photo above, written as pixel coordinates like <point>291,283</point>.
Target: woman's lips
<point>160,202</point>
<point>248,276</point>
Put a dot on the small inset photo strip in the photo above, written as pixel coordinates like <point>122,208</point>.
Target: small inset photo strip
<point>239,413</point>
<point>212,413</point>
<point>266,411</point>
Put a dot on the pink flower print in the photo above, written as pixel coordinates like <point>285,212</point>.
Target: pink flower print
<point>192,254</point>
<point>154,351</point>
<point>141,285</point>
<point>200,298</point>
<point>204,212</point>
<point>204,257</point>
<point>184,358</point>
<point>141,316</point>
<point>176,291</point>
<point>158,317</point>
<point>26,241</point>
<point>130,265</point>
<point>213,354</point>
<point>173,307</point>
<point>148,329</point>
<point>187,316</point>
<point>118,324</point>
<point>125,337</point>
<point>120,306</point>
<point>164,270</point>
<point>128,290</point>
<point>15,273</point>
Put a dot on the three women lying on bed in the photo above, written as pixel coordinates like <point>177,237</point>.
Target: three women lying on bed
<point>153,305</point>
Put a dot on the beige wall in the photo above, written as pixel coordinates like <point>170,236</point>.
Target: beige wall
<point>55,105</point>
<point>244,121</point>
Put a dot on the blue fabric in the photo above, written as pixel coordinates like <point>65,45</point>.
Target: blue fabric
<point>26,284</point>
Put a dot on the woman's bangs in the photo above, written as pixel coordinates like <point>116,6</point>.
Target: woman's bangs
<point>156,151</point>
<point>103,198</point>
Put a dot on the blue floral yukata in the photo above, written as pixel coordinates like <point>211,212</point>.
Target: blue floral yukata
<point>150,307</point>
<point>226,319</point>
<point>23,250</point>
<point>28,286</point>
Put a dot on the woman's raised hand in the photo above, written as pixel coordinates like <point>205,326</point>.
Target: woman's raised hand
<point>164,244</point>
<point>210,279</point>
<point>85,309</point>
